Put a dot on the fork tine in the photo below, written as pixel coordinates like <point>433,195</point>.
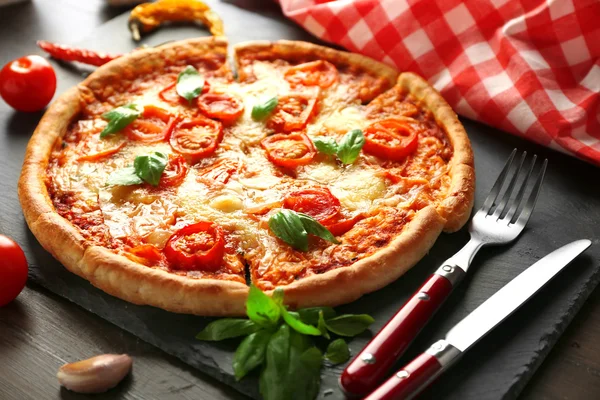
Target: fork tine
<point>505,199</point>
<point>529,206</point>
<point>517,201</point>
<point>491,198</point>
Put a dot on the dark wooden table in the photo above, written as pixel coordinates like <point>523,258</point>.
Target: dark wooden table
<point>40,331</point>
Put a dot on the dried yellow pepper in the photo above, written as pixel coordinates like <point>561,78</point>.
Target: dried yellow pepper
<point>149,16</point>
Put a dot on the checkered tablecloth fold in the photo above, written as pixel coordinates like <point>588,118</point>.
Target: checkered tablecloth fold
<point>529,67</point>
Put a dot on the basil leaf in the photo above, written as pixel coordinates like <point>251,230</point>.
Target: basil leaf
<point>124,177</point>
<point>277,296</point>
<point>272,383</point>
<point>287,226</point>
<point>151,167</point>
<point>119,118</point>
<point>326,145</point>
<point>321,326</point>
<point>298,325</point>
<point>261,308</point>
<point>337,352</point>
<point>189,83</point>
<point>262,110</point>
<point>292,367</point>
<point>309,372</point>
<point>314,227</point>
<point>227,328</point>
<point>349,325</point>
<point>293,228</point>
<point>350,146</point>
<point>311,315</point>
<point>250,353</point>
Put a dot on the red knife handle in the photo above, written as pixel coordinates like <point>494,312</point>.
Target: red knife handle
<point>373,363</point>
<point>418,374</point>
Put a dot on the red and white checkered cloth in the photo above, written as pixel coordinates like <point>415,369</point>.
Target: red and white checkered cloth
<point>529,67</point>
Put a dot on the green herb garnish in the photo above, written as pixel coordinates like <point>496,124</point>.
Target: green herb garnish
<point>189,83</point>
<point>262,110</point>
<point>145,169</point>
<point>293,228</point>
<point>119,118</point>
<point>280,343</point>
<point>347,150</point>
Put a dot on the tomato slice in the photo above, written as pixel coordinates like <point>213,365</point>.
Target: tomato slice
<point>197,138</point>
<point>220,171</point>
<point>319,203</point>
<point>315,73</point>
<point>154,126</point>
<point>200,246</point>
<point>339,227</point>
<point>289,151</point>
<point>101,154</point>
<point>221,106</point>
<point>293,111</point>
<point>169,94</point>
<point>148,252</point>
<point>391,138</point>
<point>174,173</point>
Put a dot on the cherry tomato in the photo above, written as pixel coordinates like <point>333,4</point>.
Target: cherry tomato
<point>155,125</point>
<point>289,151</point>
<point>293,111</point>
<point>340,226</point>
<point>221,106</point>
<point>13,270</point>
<point>315,73</point>
<point>174,172</point>
<point>391,138</point>
<point>169,94</point>
<point>100,155</point>
<point>197,138</point>
<point>200,246</point>
<point>28,83</point>
<point>220,171</point>
<point>319,203</point>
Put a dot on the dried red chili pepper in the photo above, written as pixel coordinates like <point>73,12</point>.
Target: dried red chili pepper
<point>68,53</point>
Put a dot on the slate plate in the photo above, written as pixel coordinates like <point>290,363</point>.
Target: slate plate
<point>497,368</point>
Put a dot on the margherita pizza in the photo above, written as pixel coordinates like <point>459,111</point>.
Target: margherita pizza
<point>167,179</point>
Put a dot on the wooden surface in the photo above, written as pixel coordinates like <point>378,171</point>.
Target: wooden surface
<point>41,331</point>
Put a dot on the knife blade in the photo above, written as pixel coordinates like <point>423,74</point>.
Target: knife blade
<point>419,373</point>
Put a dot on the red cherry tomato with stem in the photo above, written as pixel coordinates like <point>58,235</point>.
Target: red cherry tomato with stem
<point>28,83</point>
<point>13,270</point>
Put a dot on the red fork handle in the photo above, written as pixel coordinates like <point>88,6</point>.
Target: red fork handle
<point>372,364</point>
<point>418,374</point>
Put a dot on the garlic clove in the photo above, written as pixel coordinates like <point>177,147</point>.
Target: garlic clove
<point>95,375</point>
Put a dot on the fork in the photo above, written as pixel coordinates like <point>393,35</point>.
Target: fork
<point>497,222</point>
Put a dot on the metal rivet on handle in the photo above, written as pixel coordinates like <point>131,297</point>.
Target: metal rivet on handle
<point>447,268</point>
<point>423,296</point>
<point>402,374</point>
<point>368,358</point>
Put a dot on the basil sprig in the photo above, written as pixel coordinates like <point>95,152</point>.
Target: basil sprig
<point>279,343</point>
<point>262,110</point>
<point>118,118</point>
<point>293,228</point>
<point>145,169</point>
<point>347,150</point>
<point>189,83</point>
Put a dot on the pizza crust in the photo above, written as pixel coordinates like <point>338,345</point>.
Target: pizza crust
<point>138,284</point>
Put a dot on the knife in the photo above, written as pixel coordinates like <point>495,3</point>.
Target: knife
<point>419,373</point>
